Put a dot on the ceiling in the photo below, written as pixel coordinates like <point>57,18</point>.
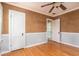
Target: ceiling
<point>36,6</point>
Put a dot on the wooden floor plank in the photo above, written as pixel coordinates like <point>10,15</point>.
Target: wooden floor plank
<point>49,49</point>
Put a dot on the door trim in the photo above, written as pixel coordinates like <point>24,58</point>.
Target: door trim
<point>48,19</point>
<point>9,27</point>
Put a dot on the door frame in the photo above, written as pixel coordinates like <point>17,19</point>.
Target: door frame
<point>59,19</point>
<point>48,19</point>
<point>1,18</point>
<point>9,27</point>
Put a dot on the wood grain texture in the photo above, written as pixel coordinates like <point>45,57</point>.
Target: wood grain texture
<point>70,22</point>
<point>51,48</point>
<point>35,22</point>
<point>5,21</point>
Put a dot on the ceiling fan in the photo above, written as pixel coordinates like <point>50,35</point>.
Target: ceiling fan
<point>55,6</point>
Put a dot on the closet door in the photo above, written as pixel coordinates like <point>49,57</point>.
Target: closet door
<point>16,29</point>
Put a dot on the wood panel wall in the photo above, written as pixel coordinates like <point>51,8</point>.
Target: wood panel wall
<point>70,22</point>
<point>35,22</point>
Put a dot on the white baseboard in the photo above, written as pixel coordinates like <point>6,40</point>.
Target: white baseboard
<point>70,44</point>
<point>35,44</point>
<point>5,52</point>
<point>70,38</point>
<point>67,44</point>
<point>56,41</point>
<point>26,47</point>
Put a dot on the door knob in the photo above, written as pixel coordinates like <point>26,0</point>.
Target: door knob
<point>22,34</point>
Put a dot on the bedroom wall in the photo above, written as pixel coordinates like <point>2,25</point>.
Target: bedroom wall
<point>70,28</point>
<point>35,22</point>
<point>35,27</point>
<point>70,22</point>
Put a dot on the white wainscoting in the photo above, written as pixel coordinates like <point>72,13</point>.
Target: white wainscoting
<point>4,43</point>
<point>70,38</point>
<point>33,39</point>
<point>0,38</point>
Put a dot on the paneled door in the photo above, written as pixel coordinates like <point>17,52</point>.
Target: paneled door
<point>56,30</point>
<point>16,29</point>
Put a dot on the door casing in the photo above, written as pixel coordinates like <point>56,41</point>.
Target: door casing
<point>13,36</point>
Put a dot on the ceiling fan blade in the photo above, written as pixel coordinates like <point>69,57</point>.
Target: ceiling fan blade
<point>62,7</point>
<point>53,13</point>
<point>48,4</point>
<point>51,9</point>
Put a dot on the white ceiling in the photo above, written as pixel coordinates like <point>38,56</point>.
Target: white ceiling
<point>36,6</point>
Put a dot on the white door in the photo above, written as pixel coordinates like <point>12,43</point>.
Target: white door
<point>16,29</point>
<point>56,30</point>
<point>49,28</point>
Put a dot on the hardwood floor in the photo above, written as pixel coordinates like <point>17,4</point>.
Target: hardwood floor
<point>49,49</point>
